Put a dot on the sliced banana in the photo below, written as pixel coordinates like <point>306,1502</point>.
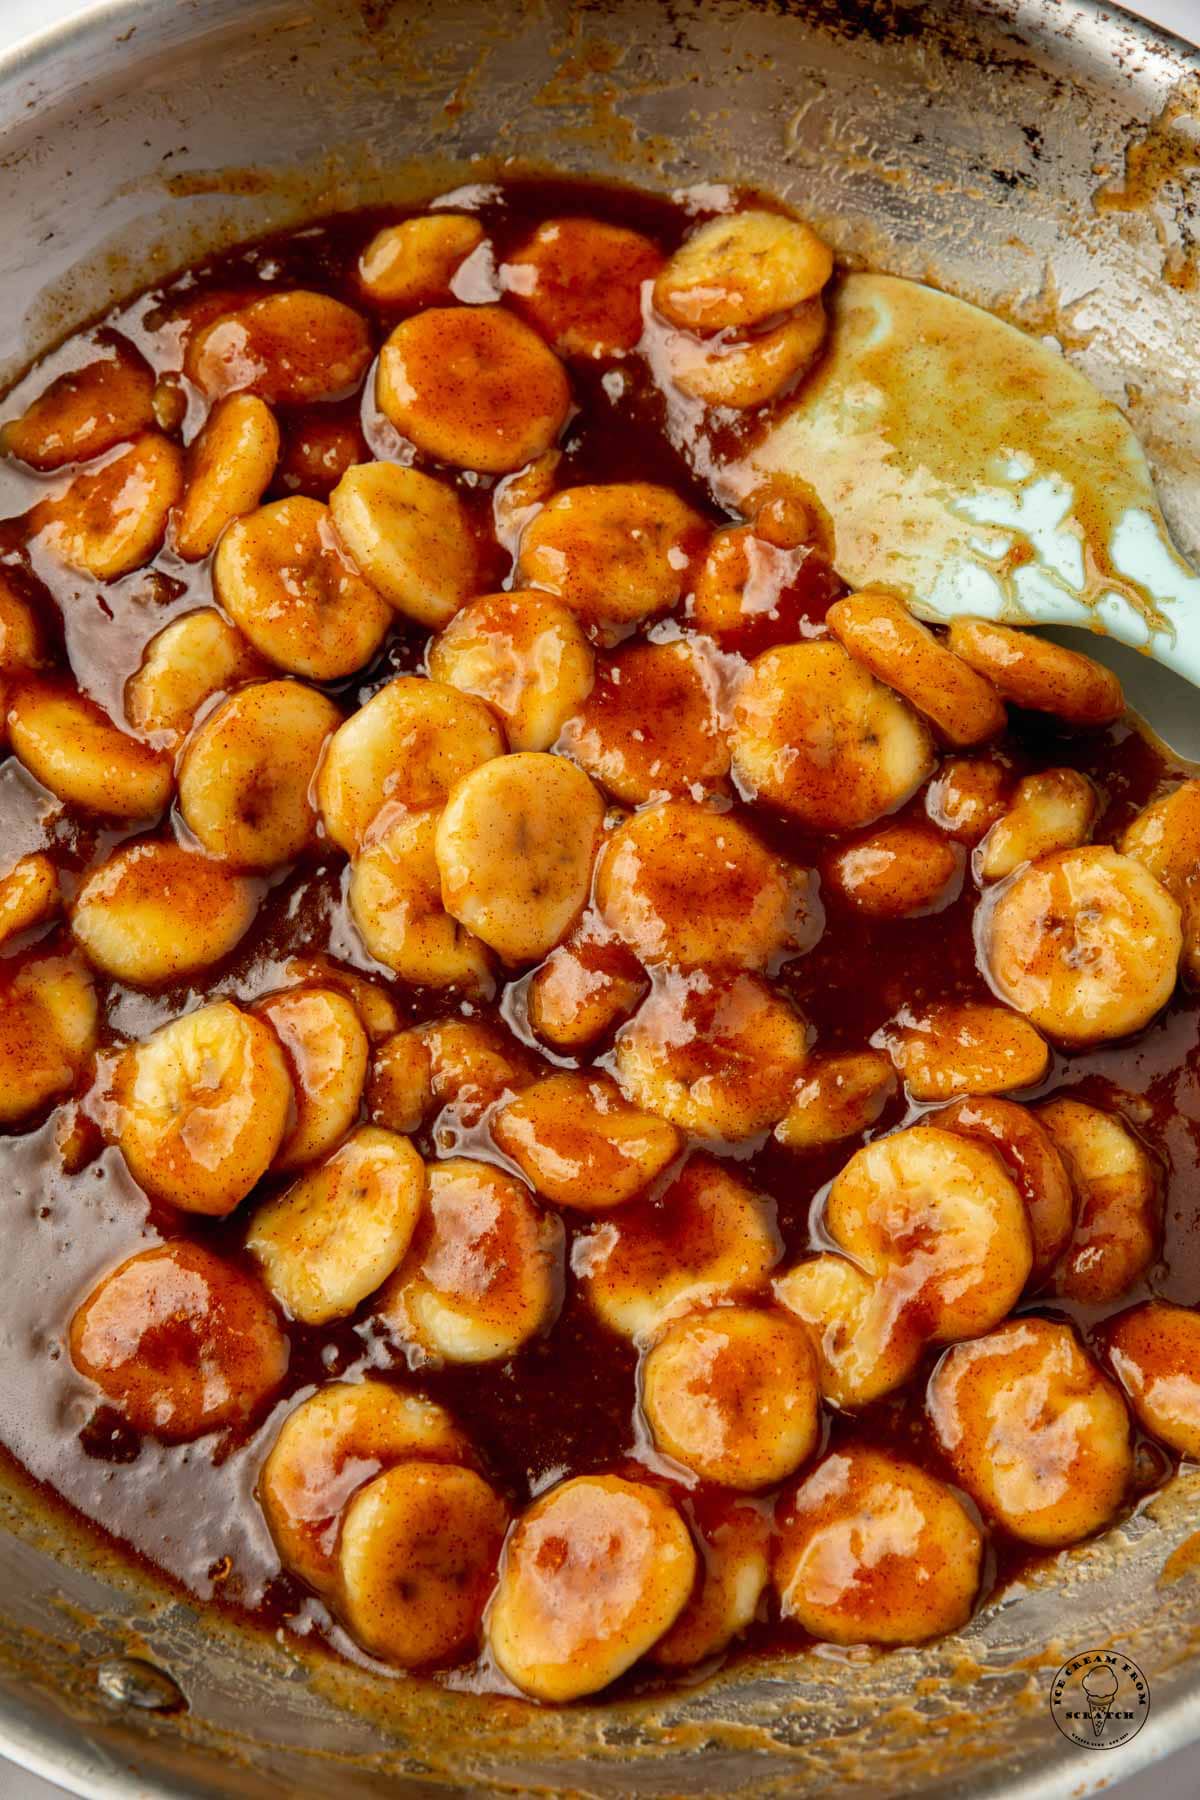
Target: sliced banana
<point>484,1273</point>
<point>416,1560</point>
<point>525,655</point>
<point>338,1232</point>
<point>871,1550</point>
<point>85,412</point>
<point>1085,943</point>
<point>1034,1432</point>
<point>1155,1352</point>
<point>247,772</point>
<point>111,518</point>
<point>718,1055</point>
<point>472,386</point>
<point>328,1447</point>
<point>180,1341</point>
<point>742,270</point>
<point>967,797</point>
<point>865,1344</point>
<point>407,746</point>
<point>1118,1201</point>
<point>229,468</point>
<point>880,631</point>
<point>463,1064</point>
<point>1165,838</point>
<point>48,1022</point>
<point>201,1107</point>
<point>284,577</point>
<point>1032,672</point>
<point>581,1145</point>
<point>29,894</point>
<point>400,1090</point>
<point>748,586</point>
<point>585,987</point>
<point>818,737</point>
<point>579,283</point>
<point>413,263</point>
<point>188,662</point>
<point>951,1048</point>
<point>395,896</point>
<point>1054,810</point>
<point>901,872</point>
<point>154,913</point>
<point>707,1238</point>
<point>325,1044</point>
<point>515,847</point>
<point>747,371</point>
<point>1031,1156</point>
<point>317,451</point>
<point>22,640</point>
<point>412,538</point>
<point>734,1539</point>
<point>651,725</point>
<point>593,1574</point>
<point>837,1097</point>
<point>516,498</point>
<point>615,553</point>
<point>291,349</point>
<point>72,747</point>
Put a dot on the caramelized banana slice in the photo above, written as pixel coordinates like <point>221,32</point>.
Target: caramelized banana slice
<point>817,736</point>
<point>416,1560</point>
<point>708,1237</point>
<point>335,1235</point>
<point>733,1536</point>
<point>413,263</point>
<point>1034,1432</point>
<point>1165,838</point>
<point>745,372</point>
<point>901,872</point>
<point>458,1063</point>
<point>201,1107</point>
<point>229,468</point>
<point>22,640</point>
<point>84,412</point>
<point>525,655</point>
<point>374,1006</point>
<point>290,349</point>
<point>719,1056</point>
<point>880,631</point>
<point>1032,672</point>
<point>966,798</point>
<point>593,1574</point>
<point>484,1273</point>
<point>732,1395</point>
<point>328,1447</point>
<point>326,1050</point>
<point>579,282</point>
<point>408,746</point>
<point>650,726</point>
<point>472,386</point>
<point>750,588</point>
<point>1155,1351</point>
<point>866,1346</point>
<point>411,536</point>
<point>72,747</point>
<point>515,847</point>
<point>583,988</point>
<point>1029,1153</point>
<point>1118,1201</point>
<point>188,662</point>
<point>29,894</point>
<point>1055,810</point>
<point>247,773</point>
<point>155,913</point>
<point>872,1550</point>
<point>837,1097</point>
<point>395,896</point>
<point>48,1019</point>
<point>1085,943</point>
<point>516,498</point>
<point>741,270</point>
<point>950,1049</point>
<point>180,1341</point>
<point>581,1145</point>
<point>615,553</point>
<point>112,518</point>
<point>400,1092</point>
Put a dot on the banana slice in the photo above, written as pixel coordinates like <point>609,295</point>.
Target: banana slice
<point>1031,672</point>
<point>1032,1158</point>
<point>579,283</point>
<point>1118,1195</point>
<point>525,655</point>
<point>395,896</point>
<point>873,1551</point>
<point>949,1049</point>
<point>48,1020</point>
<point>902,872</point>
<point>155,913</point>
<point>229,468</point>
<point>111,518</point>
<point>22,640</point>
<point>734,1539</point>
<point>651,726</point>
<point>326,1049</point>
<point>581,1145</point>
<point>374,1006</point>
<point>865,1344</point>
<point>1165,838</point>
<point>317,452</point>
<point>1155,1351</point>
<point>818,737</point>
<point>181,1342</point>
<point>283,576</point>
<point>837,1097</point>
<point>751,591</point>
<point>707,1238</point>
<point>413,263</point>
<point>585,987</point>
<point>1085,943</point>
<point>416,1561</point>
<point>328,1447</point>
<point>473,387</point>
<point>400,1091</point>
<point>879,631</point>
<point>84,412</point>
<point>247,773</point>
<point>201,1108</point>
<point>1034,1432</point>
<point>745,372</point>
<point>169,404</point>
<point>515,848</point>
<point>742,270</point>
<point>516,498</point>
<point>291,349</point>
<point>412,538</point>
<point>593,1574</point>
<point>338,1232</point>
<point>188,662</point>
<point>732,1394</point>
<point>718,1055</point>
<point>690,886</point>
<point>967,797</point>
<point>29,894</point>
<point>1055,810</point>
<point>460,1064</point>
<point>615,553</point>
<point>484,1273</point>
<point>72,747</point>
<point>408,745</point>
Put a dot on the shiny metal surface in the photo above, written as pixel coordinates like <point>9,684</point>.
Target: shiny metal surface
<point>1038,156</point>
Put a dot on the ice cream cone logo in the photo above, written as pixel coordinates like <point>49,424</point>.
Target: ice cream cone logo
<point>1100,1685</point>
<point>1100,1699</point>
